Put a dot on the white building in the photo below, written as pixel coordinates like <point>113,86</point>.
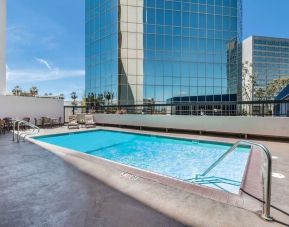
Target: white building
<point>268,60</point>
<point>2,47</point>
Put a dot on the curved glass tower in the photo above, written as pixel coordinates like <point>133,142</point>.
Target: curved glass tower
<point>159,51</point>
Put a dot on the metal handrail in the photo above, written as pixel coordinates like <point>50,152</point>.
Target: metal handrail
<point>19,122</point>
<point>34,127</point>
<point>14,124</point>
<point>219,160</point>
<point>268,178</point>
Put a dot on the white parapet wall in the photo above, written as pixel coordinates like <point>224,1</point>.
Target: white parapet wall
<point>2,47</point>
<point>18,107</point>
<point>262,126</point>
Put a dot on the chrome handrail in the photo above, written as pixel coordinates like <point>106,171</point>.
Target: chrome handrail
<point>14,124</point>
<point>219,160</point>
<point>268,178</point>
<point>15,121</point>
<point>19,122</point>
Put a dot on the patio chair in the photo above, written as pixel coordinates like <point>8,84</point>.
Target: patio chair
<point>27,119</point>
<point>89,123</point>
<point>72,122</point>
<point>2,126</point>
<point>46,122</point>
<point>38,122</point>
<point>8,123</point>
<point>60,121</point>
<point>54,122</point>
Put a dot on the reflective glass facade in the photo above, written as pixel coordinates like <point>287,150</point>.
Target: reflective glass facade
<point>270,59</point>
<point>154,50</point>
<point>101,46</point>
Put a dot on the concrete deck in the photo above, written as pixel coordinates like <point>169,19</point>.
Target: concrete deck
<point>49,197</point>
<point>40,189</point>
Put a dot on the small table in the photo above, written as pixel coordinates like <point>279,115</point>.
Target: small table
<point>82,124</point>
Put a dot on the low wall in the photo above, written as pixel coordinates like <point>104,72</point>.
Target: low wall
<point>263,126</point>
<point>18,107</point>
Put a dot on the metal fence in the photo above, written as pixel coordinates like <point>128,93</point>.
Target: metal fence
<point>252,108</point>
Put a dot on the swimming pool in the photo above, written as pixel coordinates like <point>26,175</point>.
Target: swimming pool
<point>183,159</point>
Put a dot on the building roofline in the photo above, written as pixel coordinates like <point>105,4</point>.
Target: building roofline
<point>267,38</point>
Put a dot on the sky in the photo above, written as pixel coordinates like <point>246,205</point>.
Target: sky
<point>45,45</point>
<point>45,40</point>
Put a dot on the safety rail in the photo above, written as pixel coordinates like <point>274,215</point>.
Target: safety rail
<point>268,176</point>
<point>18,123</point>
<point>219,160</point>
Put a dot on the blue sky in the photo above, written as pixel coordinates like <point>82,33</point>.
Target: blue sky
<point>45,40</point>
<point>45,45</point>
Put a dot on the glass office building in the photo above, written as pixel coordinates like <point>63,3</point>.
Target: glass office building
<point>269,58</point>
<point>153,50</point>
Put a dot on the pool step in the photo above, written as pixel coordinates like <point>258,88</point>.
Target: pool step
<point>213,180</point>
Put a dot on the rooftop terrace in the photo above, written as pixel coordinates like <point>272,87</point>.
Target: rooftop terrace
<point>43,188</point>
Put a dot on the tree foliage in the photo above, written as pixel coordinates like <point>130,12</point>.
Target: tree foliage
<point>34,91</point>
<point>251,90</point>
<point>74,97</point>
<point>17,90</point>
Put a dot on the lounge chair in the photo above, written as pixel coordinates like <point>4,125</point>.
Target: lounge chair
<point>80,118</point>
<point>72,122</point>
<point>89,123</point>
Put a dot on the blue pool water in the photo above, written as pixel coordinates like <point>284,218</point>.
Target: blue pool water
<point>178,158</point>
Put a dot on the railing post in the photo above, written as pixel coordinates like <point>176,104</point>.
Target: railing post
<point>267,204</point>
<point>268,182</point>
<point>263,110</point>
<point>19,122</point>
<point>14,123</point>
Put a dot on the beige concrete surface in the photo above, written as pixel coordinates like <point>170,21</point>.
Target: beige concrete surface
<point>265,126</point>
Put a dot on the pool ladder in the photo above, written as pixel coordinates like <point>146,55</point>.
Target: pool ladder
<point>23,135</point>
<point>268,174</point>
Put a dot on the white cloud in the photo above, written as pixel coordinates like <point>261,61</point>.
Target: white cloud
<point>25,76</point>
<point>21,37</point>
<point>18,35</point>
<point>44,62</point>
<point>37,75</point>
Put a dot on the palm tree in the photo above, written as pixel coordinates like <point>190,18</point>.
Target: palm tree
<point>112,96</point>
<point>34,91</point>
<point>74,97</point>
<point>108,96</point>
<point>98,100</point>
<point>17,90</point>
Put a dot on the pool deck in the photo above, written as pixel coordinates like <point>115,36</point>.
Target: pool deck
<point>39,187</point>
